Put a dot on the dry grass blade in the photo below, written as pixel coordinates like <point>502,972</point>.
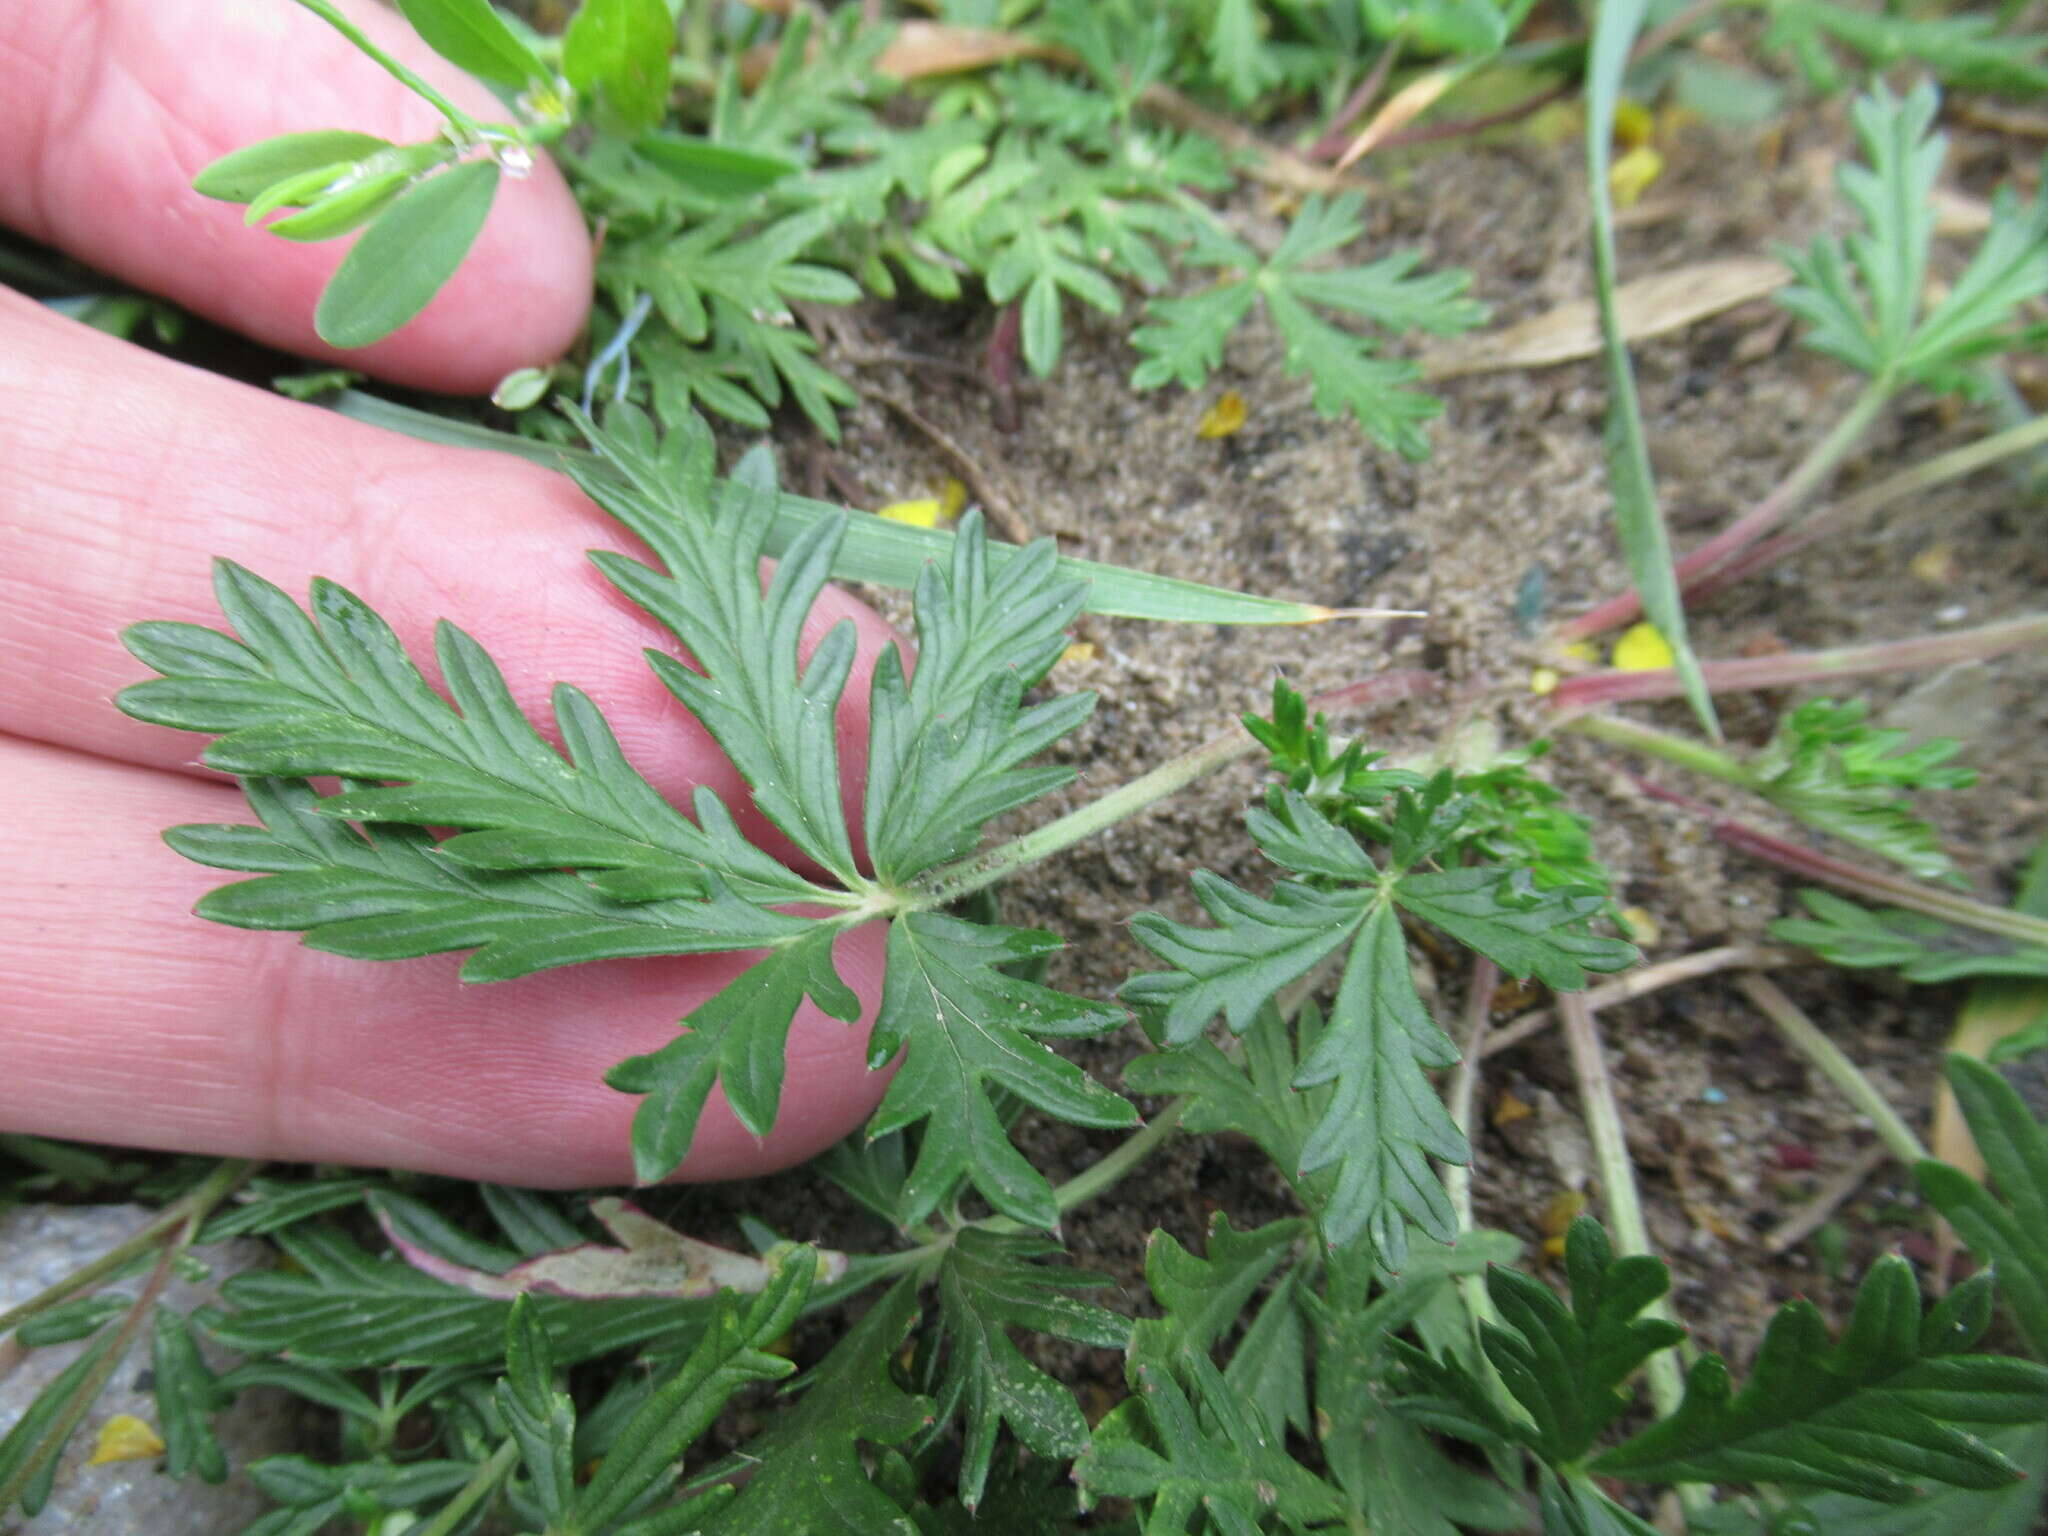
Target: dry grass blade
<point>1649,306</point>
<point>1402,108</point>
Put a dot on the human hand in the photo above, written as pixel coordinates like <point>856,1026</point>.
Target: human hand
<point>123,1018</point>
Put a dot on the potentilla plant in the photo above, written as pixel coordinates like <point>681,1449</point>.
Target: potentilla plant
<point>1305,1375</point>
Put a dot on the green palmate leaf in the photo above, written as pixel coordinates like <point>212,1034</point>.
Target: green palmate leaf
<point>966,1030</point>
<point>469,35</point>
<point>773,715</point>
<point>335,693</point>
<point>1384,1118</point>
<point>1638,520</point>
<point>1567,1367</point>
<point>809,1475</point>
<point>1256,1097</point>
<point>401,261</point>
<point>342,1307</point>
<point>737,1349</point>
<point>1524,930</point>
<point>1919,947</point>
<point>1204,1297</point>
<point>2008,1231</point>
<point>945,750</point>
<point>616,52</point>
<point>1827,767</point>
<point>188,1394</point>
<point>393,896</point>
<point>1863,299</point>
<point>988,1284</point>
<point>1887,1407</point>
<point>1182,339</point>
<point>243,175</point>
<point>1238,55</point>
<point>539,1413</point>
<point>1190,1447</point>
<point>735,1039</point>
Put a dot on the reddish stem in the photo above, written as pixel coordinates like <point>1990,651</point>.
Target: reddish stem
<point>1575,695</point>
<point>1338,137</point>
<point>1001,359</point>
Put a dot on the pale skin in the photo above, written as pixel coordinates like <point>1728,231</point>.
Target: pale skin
<point>123,1018</point>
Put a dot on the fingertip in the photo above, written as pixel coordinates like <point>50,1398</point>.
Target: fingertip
<point>115,107</point>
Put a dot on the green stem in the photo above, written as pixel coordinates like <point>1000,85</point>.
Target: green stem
<point>1682,750</point>
<point>200,1200</point>
<point>1617,1176</point>
<point>942,887</point>
<point>1808,1039</point>
<point>472,1493</point>
<point>1106,1172</point>
<point>463,123</point>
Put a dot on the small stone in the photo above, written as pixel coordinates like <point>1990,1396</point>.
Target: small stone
<point>40,1245</point>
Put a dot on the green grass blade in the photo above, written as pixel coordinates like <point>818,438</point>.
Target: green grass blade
<point>1637,517</point>
<point>877,550</point>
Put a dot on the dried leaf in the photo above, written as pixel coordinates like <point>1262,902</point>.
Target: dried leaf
<point>652,1259</point>
<point>924,48</point>
<point>1650,306</point>
<point>1402,108</point>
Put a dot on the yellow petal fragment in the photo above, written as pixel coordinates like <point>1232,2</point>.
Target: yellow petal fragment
<point>1078,654</point>
<point>952,498</point>
<point>1641,649</point>
<point>1642,927</point>
<point>1634,124</point>
<point>1223,418</point>
<point>1582,651</point>
<point>1543,681</point>
<point>124,1437</point>
<point>1631,176</point>
<point>925,512</point>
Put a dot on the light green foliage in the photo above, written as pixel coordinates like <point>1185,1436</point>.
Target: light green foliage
<point>1973,51</point>
<point>1864,298</point>
<point>1918,947</point>
<point>1381,1120</point>
<point>821,181</point>
<point>1833,771</point>
<point>1182,339</point>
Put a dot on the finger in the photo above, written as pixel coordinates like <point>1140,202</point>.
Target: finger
<point>125,1019</point>
<point>110,107</point>
<point>121,474</point>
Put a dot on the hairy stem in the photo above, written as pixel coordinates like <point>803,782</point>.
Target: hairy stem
<point>1617,1175</point>
<point>1810,1041</point>
<point>1858,880</point>
<point>944,886</point>
<point>1805,478</point>
<point>460,120</point>
<point>1593,689</point>
<point>1916,481</point>
<point>197,1203</point>
<point>1682,750</point>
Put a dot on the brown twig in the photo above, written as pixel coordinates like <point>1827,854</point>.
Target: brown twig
<point>995,507</point>
<point>1651,978</point>
<point>1829,1198</point>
